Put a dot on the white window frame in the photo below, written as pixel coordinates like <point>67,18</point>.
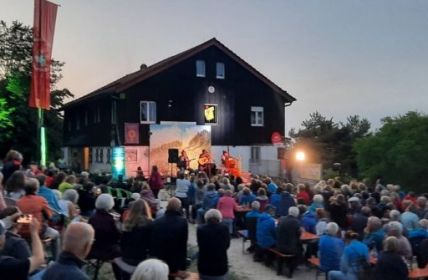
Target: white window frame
<point>150,105</point>
<point>200,68</point>
<point>220,74</point>
<point>258,109</point>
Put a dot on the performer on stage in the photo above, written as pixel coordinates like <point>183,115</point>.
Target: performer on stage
<point>224,157</point>
<point>204,160</point>
<point>183,161</point>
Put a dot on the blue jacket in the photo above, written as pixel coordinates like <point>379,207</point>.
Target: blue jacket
<point>272,187</point>
<point>266,232</point>
<point>350,263</point>
<point>49,195</point>
<point>247,199</point>
<point>284,204</point>
<point>275,199</point>
<point>210,200</point>
<point>253,214</point>
<point>191,193</point>
<point>375,239</point>
<point>68,267</point>
<point>330,250</point>
<point>309,221</point>
<point>418,233</point>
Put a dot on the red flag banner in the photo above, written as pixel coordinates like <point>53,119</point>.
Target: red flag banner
<point>43,32</point>
<point>132,135</point>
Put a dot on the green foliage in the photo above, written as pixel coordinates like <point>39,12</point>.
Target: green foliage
<point>398,152</point>
<point>18,122</point>
<point>328,142</point>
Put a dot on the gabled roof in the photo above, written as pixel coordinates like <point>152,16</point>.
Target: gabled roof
<point>134,78</point>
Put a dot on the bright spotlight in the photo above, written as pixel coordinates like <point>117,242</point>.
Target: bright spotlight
<point>300,156</point>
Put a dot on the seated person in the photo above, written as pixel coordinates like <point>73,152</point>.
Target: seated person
<point>38,207</point>
<point>374,233</point>
<point>330,249</point>
<point>19,269</point>
<point>251,223</point>
<point>247,197</point>
<point>78,239</point>
<point>390,264</point>
<point>265,233</point>
<point>15,246</point>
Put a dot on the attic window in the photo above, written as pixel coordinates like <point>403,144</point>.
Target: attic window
<point>219,70</point>
<point>200,68</point>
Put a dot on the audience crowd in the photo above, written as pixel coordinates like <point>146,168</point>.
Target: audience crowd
<point>59,225</point>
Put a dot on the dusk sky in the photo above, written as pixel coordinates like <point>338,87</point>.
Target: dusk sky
<point>338,57</point>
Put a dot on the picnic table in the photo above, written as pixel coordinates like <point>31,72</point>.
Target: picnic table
<point>307,236</point>
<point>418,273</point>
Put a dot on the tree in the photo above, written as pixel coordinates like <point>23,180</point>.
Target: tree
<point>398,152</point>
<point>328,142</point>
<point>18,122</point>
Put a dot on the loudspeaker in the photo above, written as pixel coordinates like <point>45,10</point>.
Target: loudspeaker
<point>172,155</point>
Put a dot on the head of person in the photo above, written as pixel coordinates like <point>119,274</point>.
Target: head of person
<point>154,169</point>
<point>320,213</point>
<point>374,224</point>
<point>394,215</point>
<point>104,202</point>
<point>180,175</point>
<point>213,216</point>
<point>424,224</point>
<point>16,181</point>
<point>174,204</point>
<point>31,186</point>
<point>332,229</point>
<point>211,187</point>
<point>228,193</point>
<point>261,192</point>
<point>139,215</point>
<point>71,195</point>
<point>395,229</point>
<point>151,269</point>
<point>390,244</point>
<point>41,179</point>
<point>78,239</point>
<point>255,205</point>
<point>293,211</point>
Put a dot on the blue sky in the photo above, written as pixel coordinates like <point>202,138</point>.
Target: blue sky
<point>338,57</point>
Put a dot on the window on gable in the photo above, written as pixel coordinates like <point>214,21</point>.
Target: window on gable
<point>200,68</point>
<point>219,70</point>
<point>257,116</point>
<point>147,112</point>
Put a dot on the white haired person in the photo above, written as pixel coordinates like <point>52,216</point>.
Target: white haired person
<point>68,204</point>
<point>77,243</point>
<point>213,241</point>
<point>390,264</point>
<point>404,247</point>
<point>330,248</point>
<point>288,237</point>
<point>106,245</point>
<point>151,269</point>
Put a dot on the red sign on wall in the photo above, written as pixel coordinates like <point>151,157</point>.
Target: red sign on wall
<point>276,138</point>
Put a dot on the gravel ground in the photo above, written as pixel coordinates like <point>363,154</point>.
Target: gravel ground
<point>244,268</point>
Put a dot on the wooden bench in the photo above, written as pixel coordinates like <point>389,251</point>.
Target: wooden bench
<point>244,235</point>
<point>280,258</point>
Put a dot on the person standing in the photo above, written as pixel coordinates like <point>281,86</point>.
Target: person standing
<point>213,241</point>
<point>181,191</point>
<point>169,237</point>
<point>155,181</point>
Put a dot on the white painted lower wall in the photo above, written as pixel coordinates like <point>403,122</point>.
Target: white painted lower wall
<point>266,163</point>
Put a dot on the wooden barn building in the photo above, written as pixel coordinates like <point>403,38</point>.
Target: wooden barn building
<point>247,109</point>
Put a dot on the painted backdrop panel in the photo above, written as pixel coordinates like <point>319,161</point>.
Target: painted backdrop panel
<point>190,137</point>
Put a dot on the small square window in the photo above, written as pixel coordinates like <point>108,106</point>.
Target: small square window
<point>219,69</point>
<point>257,116</point>
<point>147,112</point>
<point>200,68</point>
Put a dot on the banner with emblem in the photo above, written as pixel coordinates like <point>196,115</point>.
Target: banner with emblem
<point>43,33</point>
<point>132,135</point>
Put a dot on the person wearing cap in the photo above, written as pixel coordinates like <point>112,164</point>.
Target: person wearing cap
<point>16,269</point>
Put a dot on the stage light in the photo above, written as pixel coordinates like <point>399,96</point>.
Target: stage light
<point>118,159</point>
<point>300,156</point>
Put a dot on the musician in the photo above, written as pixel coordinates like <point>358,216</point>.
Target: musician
<point>224,157</point>
<point>183,161</point>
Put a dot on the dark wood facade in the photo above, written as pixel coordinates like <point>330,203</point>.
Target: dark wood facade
<point>180,96</point>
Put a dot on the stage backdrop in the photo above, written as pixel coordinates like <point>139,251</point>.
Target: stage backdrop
<point>190,137</point>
